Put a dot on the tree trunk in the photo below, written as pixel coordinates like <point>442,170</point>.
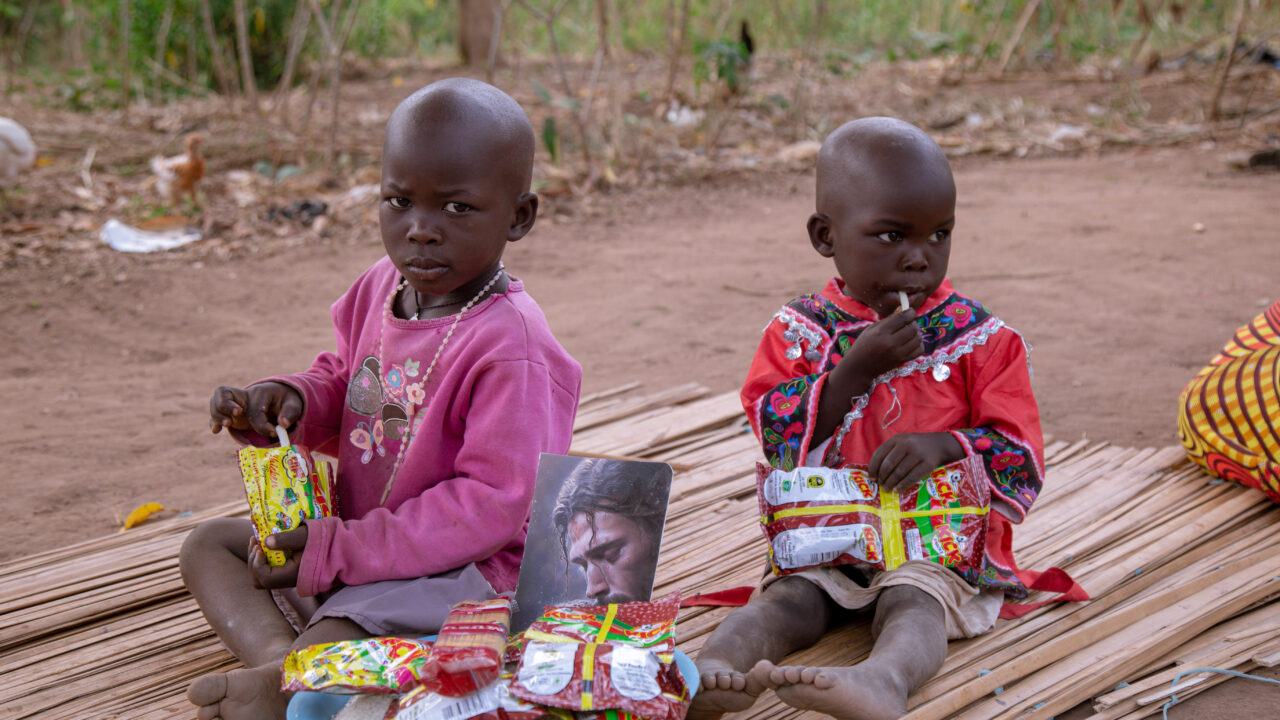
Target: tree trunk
<point>477,22</point>
<point>495,40</point>
<point>335,81</point>
<point>1215,102</point>
<point>162,44</point>
<point>126,30</point>
<point>73,34</point>
<point>677,28</point>
<point>1023,20</point>
<point>225,78</point>
<point>297,37</point>
<point>246,62</point>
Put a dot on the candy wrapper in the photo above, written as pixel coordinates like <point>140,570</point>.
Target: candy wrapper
<point>469,648</point>
<point>602,661</point>
<point>371,665</point>
<point>285,485</point>
<point>422,704</point>
<point>493,702</point>
<point>815,516</point>
<point>650,625</point>
<point>596,677</point>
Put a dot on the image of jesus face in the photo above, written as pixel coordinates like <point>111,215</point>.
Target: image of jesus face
<point>616,553</point>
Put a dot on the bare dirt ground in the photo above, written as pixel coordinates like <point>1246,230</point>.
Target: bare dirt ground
<point>1126,268</point>
<point>106,379</point>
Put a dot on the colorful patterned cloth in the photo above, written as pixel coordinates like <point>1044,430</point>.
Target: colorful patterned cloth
<point>1229,418</point>
<point>973,380</point>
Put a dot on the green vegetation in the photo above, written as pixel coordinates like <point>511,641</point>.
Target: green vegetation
<point>98,52</point>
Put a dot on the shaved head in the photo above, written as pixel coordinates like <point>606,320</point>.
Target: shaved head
<point>482,110</point>
<point>886,206</point>
<point>877,151</point>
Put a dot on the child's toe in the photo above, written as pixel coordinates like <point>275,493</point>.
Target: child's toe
<point>208,690</point>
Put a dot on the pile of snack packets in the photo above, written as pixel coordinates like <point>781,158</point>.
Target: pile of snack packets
<point>817,516</point>
<point>285,485</point>
<point>600,662</point>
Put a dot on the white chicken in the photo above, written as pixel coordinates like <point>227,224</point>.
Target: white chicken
<point>17,151</point>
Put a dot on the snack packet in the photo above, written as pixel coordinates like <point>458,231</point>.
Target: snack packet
<point>423,704</point>
<point>284,485</point>
<point>370,665</point>
<point>650,625</point>
<point>817,516</point>
<point>492,702</point>
<point>597,677</point>
<point>469,648</point>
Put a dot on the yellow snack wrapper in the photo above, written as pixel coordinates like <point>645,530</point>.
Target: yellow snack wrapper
<point>368,665</point>
<point>284,485</point>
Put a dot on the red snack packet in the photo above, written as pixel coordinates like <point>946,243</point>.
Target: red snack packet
<point>598,677</point>
<point>370,665</point>
<point>492,702</point>
<point>422,704</point>
<point>650,625</point>
<point>818,516</point>
<point>469,648</point>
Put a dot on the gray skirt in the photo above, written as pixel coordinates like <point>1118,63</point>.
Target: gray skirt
<point>390,607</point>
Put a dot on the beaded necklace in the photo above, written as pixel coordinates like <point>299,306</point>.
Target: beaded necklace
<point>412,405</point>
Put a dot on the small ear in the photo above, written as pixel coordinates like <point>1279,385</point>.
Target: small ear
<point>819,226</point>
<point>526,212</point>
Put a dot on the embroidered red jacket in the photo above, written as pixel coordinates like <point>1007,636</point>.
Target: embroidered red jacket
<point>973,381</point>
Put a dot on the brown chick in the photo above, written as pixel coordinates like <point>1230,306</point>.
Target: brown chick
<point>180,175</point>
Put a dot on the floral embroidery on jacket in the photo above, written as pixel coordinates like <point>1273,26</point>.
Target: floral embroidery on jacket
<point>1011,466</point>
<point>783,415</point>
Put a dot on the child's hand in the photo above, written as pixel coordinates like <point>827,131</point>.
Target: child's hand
<point>259,407</point>
<point>910,457</point>
<point>277,577</point>
<point>886,345</point>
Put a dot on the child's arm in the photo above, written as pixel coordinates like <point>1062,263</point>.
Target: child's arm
<point>1004,423</point>
<point>792,404</point>
<point>877,350</point>
<point>258,407</point>
<point>320,390</point>
<point>277,577</point>
<point>910,457</point>
<point>516,410</point>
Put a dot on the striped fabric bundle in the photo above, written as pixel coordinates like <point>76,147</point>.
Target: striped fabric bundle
<point>1229,415</point>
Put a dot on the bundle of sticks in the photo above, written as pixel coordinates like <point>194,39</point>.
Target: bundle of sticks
<point>1183,571</point>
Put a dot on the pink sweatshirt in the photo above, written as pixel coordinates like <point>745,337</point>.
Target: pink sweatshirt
<point>503,392</point>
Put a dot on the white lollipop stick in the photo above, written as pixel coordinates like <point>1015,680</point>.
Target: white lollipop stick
<point>282,436</point>
<point>902,298</point>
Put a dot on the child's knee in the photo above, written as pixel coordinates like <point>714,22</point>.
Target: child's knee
<point>909,597</point>
<point>908,601</point>
<point>213,537</point>
<point>795,594</point>
<point>330,629</point>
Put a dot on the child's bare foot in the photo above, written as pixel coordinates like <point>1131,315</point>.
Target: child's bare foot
<point>252,694</point>
<point>861,692</point>
<point>723,690</point>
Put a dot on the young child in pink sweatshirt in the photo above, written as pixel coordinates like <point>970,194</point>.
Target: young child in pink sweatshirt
<point>445,387</point>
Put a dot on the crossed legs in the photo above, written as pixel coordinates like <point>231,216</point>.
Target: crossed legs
<point>214,567</point>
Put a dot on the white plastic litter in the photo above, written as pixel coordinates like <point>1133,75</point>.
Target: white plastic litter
<point>1064,133</point>
<point>126,238</point>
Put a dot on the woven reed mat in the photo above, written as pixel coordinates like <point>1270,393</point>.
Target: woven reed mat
<point>1182,571</point>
